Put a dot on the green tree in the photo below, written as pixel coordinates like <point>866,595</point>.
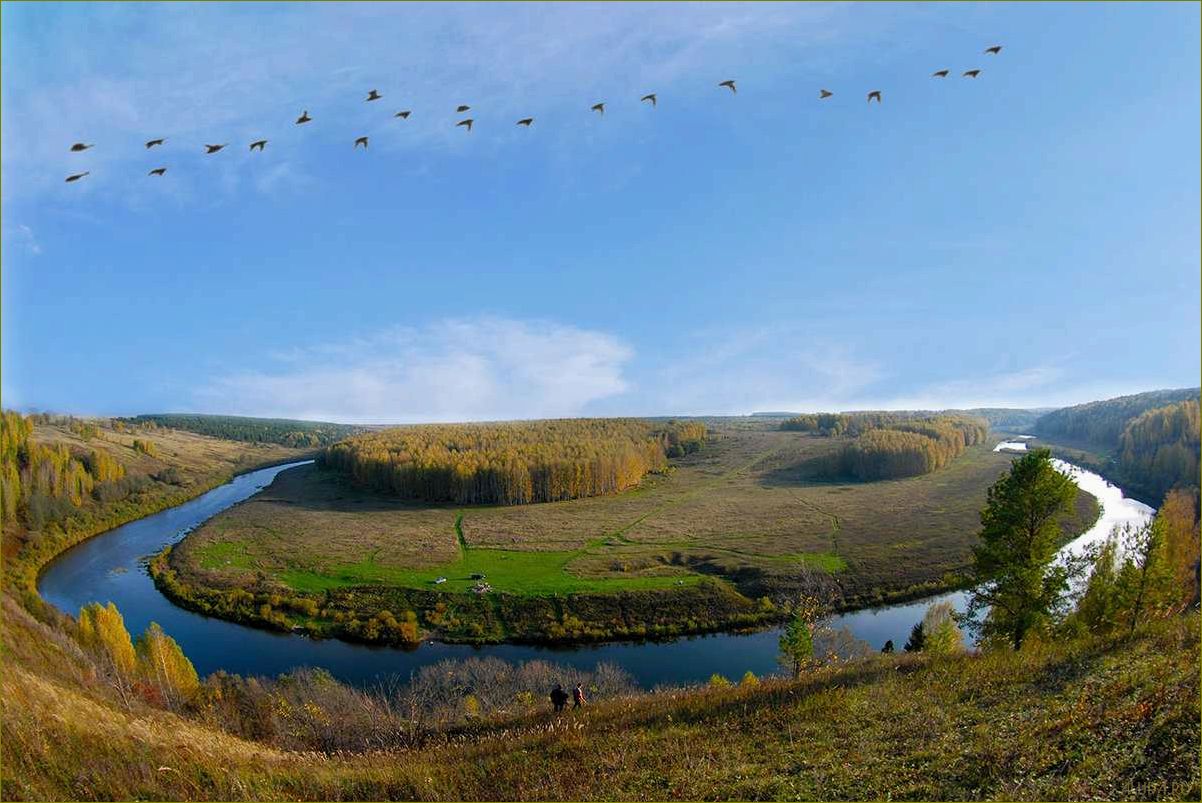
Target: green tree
<point>917,638</point>
<point>1015,576</point>
<point>797,638</point>
<point>1098,610</point>
<point>941,635</point>
<point>1145,581</point>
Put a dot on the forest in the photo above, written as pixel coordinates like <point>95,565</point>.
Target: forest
<point>512,463</point>
<point>1100,424</point>
<point>45,484</point>
<point>1158,450</point>
<point>296,434</point>
<point>890,445</point>
<point>1149,442</point>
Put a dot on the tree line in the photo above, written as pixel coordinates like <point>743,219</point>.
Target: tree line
<point>286,432</point>
<point>511,463</point>
<point>1148,442</point>
<point>42,484</point>
<point>890,445</point>
<point>1100,424</point>
<point>1159,449</point>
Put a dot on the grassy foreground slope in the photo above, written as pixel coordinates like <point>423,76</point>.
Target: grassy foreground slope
<point>1089,719</point>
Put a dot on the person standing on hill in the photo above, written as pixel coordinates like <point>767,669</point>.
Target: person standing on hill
<point>559,697</point>
<point>578,696</point>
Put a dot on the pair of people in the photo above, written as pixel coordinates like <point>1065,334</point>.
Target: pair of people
<point>559,697</point>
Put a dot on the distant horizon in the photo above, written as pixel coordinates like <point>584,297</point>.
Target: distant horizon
<point>752,414</point>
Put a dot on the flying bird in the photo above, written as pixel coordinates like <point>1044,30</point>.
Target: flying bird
<point>158,171</point>
<point>599,108</point>
<point>651,97</point>
<point>994,50</point>
<point>403,115</point>
<point>151,143</point>
<point>462,108</point>
<point>79,146</point>
<point>258,145</point>
<point>78,176</point>
<point>304,118</point>
<point>526,121</point>
<point>372,95</point>
<point>939,74</point>
<point>876,93</point>
<point>467,123</point>
<point>971,73</point>
<point>823,94</point>
<point>361,141</point>
<point>213,148</point>
<point>729,85</point>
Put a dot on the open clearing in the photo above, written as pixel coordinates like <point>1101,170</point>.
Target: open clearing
<point>740,509</point>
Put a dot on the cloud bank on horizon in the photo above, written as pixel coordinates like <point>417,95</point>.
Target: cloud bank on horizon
<point>502,369</point>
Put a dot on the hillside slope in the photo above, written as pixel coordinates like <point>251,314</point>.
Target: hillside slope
<point>1148,443</point>
<point>1088,720</point>
<point>1100,424</point>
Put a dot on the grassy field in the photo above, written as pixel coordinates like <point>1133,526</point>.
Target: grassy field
<point>742,511</point>
<point>1085,720</point>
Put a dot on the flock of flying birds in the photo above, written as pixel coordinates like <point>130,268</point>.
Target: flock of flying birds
<point>599,108</point>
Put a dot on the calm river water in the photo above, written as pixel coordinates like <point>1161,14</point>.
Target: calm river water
<point>109,567</point>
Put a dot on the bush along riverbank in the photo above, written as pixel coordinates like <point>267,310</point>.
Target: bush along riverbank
<point>406,616</point>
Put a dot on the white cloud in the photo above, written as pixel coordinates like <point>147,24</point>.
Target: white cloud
<point>24,236</point>
<point>452,370</point>
<point>772,367</point>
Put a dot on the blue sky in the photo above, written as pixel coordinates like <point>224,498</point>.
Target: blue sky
<point>1027,238</point>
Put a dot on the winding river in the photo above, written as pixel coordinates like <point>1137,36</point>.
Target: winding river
<point>110,567</point>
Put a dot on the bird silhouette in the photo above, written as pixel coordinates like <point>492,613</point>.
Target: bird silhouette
<point>403,115</point>
<point>304,118</point>
<point>599,108</point>
<point>258,145</point>
<point>372,95</point>
<point>151,143</point>
<point>213,148</point>
<point>467,123</point>
<point>876,93</point>
<point>939,74</point>
<point>651,97</point>
<point>971,73</point>
<point>823,94</point>
<point>994,50</point>
<point>462,108</point>
<point>729,85</point>
<point>526,121</point>
<point>79,146</point>
<point>361,141</point>
<point>158,171</point>
<point>78,176</point>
